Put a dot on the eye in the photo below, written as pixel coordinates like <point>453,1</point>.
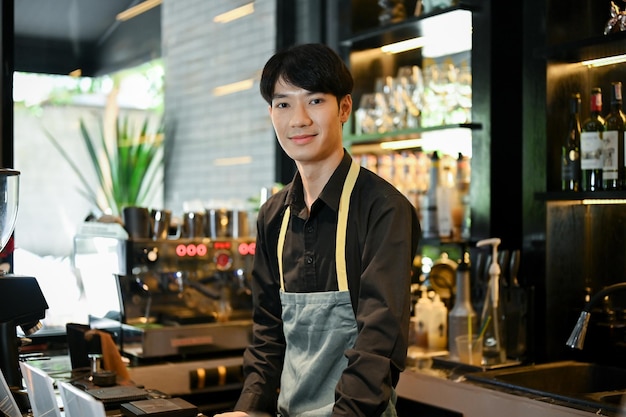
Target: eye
<point>317,100</point>
<point>281,105</point>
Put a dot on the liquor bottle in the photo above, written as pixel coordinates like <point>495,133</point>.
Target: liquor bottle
<point>613,138</point>
<point>428,201</point>
<point>591,144</point>
<point>463,176</point>
<point>570,150</point>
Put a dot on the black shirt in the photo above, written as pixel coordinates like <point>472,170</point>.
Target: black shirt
<point>382,238</point>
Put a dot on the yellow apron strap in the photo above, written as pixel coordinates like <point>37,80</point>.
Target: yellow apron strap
<point>281,244</point>
<point>342,226</point>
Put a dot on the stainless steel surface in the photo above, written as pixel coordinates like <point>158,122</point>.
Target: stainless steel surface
<point>170,341</point>
<point>585,384</point>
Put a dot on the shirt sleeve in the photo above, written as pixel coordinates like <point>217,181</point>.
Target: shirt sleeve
<point>383,311</point>
<point>263,359</point>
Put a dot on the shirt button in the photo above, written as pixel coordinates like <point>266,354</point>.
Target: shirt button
<point>309,260</point>
<point>309,229</point>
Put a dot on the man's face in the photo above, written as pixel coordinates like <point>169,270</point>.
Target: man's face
<point>308,124</point>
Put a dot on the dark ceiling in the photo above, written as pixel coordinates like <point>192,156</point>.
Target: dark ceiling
<point>60,36</point>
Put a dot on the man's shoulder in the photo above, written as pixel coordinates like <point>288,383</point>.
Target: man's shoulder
<point>375,184</point>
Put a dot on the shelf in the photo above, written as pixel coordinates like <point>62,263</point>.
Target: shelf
<point>372,138</point>
<point>590,48</point>
<point>448,138</point>
<point>409,28</point>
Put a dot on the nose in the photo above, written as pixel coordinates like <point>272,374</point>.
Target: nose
<point>300,116</point>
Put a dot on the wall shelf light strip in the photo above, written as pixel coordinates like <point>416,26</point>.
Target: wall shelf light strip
<point>403,46</point>
<point>225,89</point>
<point>609,60</point>
<point>234,14</point>
<point>137,10</point>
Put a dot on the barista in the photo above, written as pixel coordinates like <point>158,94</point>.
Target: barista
<point>332,269</point>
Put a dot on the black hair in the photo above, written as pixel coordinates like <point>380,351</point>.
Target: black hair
<point>314,67</point>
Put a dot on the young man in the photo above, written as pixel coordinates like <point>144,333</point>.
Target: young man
<point>332,268</point>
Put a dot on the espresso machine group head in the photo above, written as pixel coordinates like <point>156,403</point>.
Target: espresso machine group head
<point>21,304</point>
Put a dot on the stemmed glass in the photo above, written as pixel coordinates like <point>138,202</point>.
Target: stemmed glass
<point>9,192</point>
<point>411,90</point>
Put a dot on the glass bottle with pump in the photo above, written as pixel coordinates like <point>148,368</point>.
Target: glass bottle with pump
<point>570,150</point>
<point>492,318</point>
<point>462,317</point>
<point>613,150</point>
<point>591,144</point>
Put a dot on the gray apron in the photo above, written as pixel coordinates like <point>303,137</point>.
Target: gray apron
<point>319,327</point>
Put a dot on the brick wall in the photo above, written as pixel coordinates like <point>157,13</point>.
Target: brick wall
<point>207,130</point>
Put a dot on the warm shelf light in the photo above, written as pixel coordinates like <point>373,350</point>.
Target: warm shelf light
<point>609,60</point>
<point>225,89</point>
<point>234,14</point>
<point>604,201</point>
<point>403,46</point>
<point>137,10</point>
<point>402,144</point>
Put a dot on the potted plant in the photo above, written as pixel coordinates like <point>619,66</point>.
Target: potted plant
<point>126,153</point>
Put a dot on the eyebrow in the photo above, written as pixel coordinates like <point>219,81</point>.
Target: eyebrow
<point>308,94</point>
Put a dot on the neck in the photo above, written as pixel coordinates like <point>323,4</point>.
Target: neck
<point>315,176</point>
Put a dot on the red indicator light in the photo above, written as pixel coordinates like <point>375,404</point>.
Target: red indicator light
<point>223,261</point>
<point>247,248</point>
<point>191,250</point>
<point>222,245</point>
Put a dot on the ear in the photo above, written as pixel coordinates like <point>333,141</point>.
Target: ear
<point>345,108</point>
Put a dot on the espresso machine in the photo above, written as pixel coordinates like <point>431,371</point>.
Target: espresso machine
<point>169,295</point>
<point>22,303</point>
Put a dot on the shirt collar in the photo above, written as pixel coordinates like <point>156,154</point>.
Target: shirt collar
<point>331,193</point>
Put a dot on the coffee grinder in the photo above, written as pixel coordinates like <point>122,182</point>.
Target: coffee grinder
<point>21,301</point>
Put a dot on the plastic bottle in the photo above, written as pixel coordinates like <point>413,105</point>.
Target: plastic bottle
<point>423,310</point>
<point>462,316</point>
<point>438,325</point>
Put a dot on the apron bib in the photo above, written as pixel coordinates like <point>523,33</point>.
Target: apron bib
<point>318,328</point>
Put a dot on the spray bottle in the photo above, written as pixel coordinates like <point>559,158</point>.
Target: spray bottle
<point>491,321</point>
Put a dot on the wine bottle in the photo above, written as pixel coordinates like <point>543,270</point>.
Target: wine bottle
<point>591,144</point>
<point>613,138</point>
<point>570,150</point>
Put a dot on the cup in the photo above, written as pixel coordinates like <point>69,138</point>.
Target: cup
<point>193,224</point>
<point>160,223</point>
<point>137,222</point>
<point>470,352</point>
